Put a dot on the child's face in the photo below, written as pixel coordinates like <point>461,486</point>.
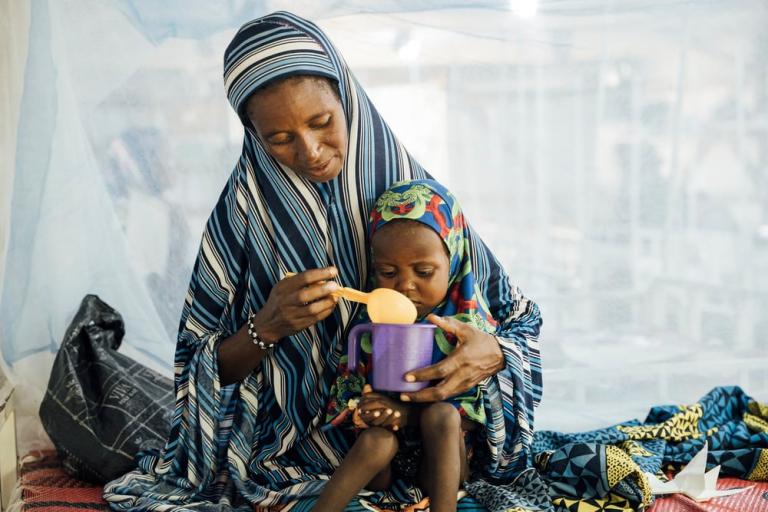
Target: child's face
<point>412,259</point>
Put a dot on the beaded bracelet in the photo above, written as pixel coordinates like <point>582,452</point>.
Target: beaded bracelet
<point>255,338</point>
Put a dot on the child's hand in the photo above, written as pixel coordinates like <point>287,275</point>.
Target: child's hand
<point>377,410</point>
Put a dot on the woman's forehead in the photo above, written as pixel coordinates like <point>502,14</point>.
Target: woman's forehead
<point>295,99</point>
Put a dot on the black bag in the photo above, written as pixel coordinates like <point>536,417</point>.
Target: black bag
<point>101,407</point>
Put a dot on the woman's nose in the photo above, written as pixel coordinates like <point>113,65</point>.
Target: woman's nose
<point>309,149</point>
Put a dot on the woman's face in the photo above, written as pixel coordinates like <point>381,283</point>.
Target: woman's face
<point>412,259</point>
<point>302,125</point>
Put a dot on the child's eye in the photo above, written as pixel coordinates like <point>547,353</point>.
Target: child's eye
<point>386,274</point>
<point>425,272</point>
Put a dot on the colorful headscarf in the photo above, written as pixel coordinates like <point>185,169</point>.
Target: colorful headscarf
<point>430,203</point>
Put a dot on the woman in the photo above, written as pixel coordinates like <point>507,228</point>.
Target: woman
<point>256,355</point>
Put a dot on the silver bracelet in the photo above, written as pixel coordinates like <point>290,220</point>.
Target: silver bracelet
<point>255,338</point>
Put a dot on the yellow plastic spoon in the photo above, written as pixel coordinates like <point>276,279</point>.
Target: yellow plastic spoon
<point>385,306</point>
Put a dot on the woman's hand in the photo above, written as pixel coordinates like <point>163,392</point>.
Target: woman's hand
<point>378,410</point>
<point>297,302</point>
<point>294,304</point>
<point>476,357</point>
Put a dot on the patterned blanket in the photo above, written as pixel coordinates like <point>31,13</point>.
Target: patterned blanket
<point>602,470</point>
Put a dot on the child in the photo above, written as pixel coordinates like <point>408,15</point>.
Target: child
<point>419,247</point>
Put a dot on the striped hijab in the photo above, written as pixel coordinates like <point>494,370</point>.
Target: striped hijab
<point>258,441</point>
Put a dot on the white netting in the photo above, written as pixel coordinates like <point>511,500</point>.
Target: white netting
<point>614,154</point>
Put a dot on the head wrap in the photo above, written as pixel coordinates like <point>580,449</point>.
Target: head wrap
<point>282,52</point>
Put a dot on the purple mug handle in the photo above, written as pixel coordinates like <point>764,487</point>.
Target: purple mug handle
<point>353,345</point>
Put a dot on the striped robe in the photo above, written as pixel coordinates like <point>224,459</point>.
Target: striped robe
<point>258,442</point>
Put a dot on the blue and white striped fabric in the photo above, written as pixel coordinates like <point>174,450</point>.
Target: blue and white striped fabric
<point>258,442</point>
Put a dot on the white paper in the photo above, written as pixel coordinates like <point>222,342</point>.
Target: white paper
<point>694,481</point>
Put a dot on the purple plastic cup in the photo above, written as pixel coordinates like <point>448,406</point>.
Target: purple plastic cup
<point>396,350</point>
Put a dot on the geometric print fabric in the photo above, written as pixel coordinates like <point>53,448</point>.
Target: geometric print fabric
<point>602,470</point>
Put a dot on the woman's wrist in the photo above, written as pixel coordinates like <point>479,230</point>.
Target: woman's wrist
<point>254,335</point>
<point>259,324</point>
<point>238,355</point>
